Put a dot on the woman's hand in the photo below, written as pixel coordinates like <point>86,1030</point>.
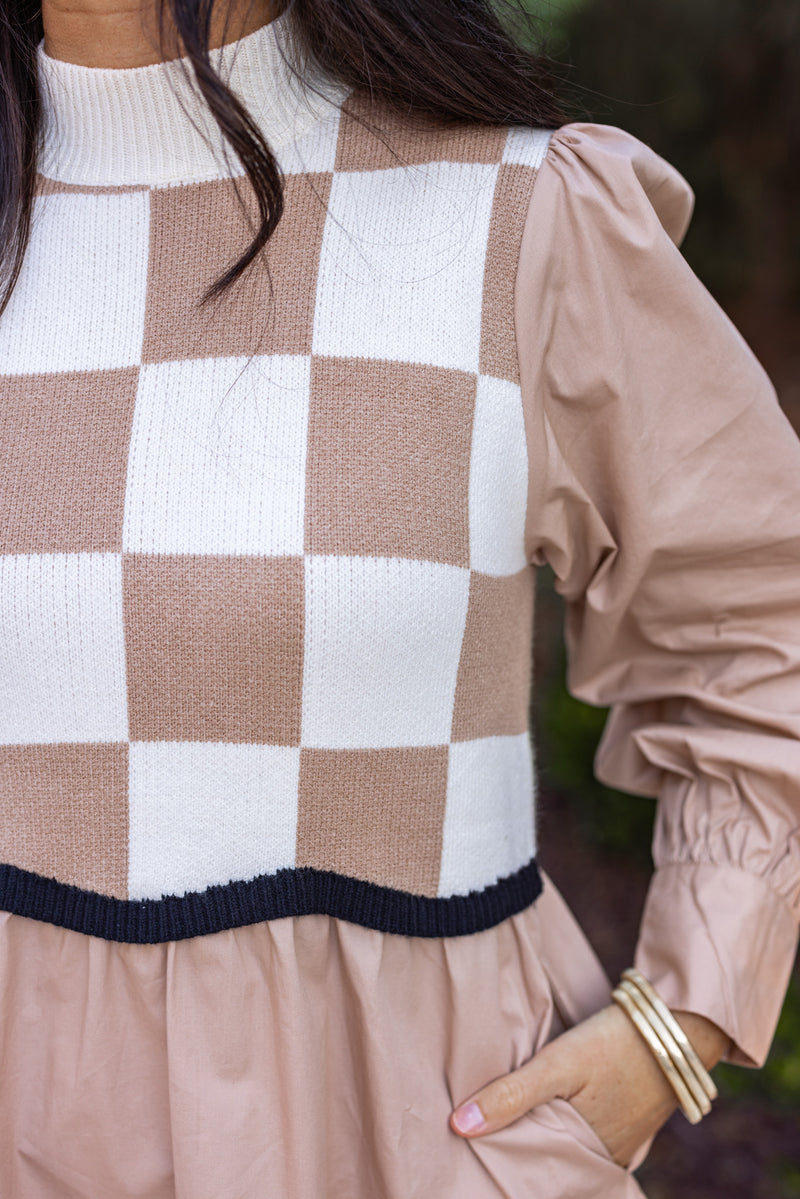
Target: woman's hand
<point>604,1068</point>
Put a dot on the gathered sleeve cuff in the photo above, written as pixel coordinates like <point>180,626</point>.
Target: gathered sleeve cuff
<point>718,940</point>
<point>664,492</point>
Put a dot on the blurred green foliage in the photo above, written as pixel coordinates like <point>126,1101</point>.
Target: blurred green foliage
<point>569,731</point>
<point>714,87</point>
<point>787,1174</point>
<point>567,734</point>
<point>778,1082</point>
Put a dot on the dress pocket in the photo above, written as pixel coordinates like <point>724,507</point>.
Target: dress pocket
<point>579,987</point>
<point>540,978</point>
<point>578,983</point>
<point>580,1128</point>
<point>552,1153</point>
<point>584,1154</point>
<point>584,1132</point>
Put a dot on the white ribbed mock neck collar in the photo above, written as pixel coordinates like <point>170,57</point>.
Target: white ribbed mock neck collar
<point>127,126</point>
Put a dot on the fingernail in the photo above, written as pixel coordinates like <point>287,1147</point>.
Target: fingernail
<point>468,1118</point>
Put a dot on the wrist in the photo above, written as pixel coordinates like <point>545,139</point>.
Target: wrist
<point>670,1043</point>
<point>708,1039</point>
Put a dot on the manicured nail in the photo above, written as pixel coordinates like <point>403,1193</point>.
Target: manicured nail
<point>468,1118</point>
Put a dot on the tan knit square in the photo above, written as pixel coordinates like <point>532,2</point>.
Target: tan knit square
<point>387,468</point>
<point>374,138</point>
<point>494,672</point>
<point>64,451</point>
<point>196,232</point>
<point>498,338</point>
<point>214,647</point>
<point>64,813</point>
<point>374,814</point>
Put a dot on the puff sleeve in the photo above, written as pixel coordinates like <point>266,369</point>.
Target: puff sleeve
<point>664,491</point>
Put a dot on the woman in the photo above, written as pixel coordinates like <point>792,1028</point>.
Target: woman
<point>279,454</point>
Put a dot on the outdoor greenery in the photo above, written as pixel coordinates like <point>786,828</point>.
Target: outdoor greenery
<point>714,87</point>
<point>779,1081</point>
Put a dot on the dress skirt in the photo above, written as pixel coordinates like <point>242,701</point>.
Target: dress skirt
<point>300,1058</point>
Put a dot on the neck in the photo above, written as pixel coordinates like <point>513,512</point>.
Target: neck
<point>124,33</point>
<point>148,126</point>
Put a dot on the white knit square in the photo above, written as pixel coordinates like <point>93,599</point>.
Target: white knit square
<point>313,152</point>
<point>401,268</point>
<point>217,457</point>
<point>79,302</point>
<point>62,652</point>
<point>204,813</point>
<point>382,644</point>
<point>528,147</point>
<point>498,479</point>
<point>489,827</point>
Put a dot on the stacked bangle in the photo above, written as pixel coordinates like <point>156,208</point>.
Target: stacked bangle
<point>668,1043</point>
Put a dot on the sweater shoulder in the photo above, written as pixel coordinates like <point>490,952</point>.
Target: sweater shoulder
<point>374,137</point>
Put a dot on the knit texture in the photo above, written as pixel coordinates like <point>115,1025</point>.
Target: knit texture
<point>265,607</point>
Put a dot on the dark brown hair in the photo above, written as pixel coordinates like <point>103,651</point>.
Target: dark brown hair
<point>452,60</point>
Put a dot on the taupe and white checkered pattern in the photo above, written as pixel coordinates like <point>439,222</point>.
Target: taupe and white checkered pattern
<point>264,600</point>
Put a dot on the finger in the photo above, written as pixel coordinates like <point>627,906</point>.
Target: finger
<point>545,1076</point>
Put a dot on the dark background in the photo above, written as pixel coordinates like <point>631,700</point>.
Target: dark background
<point>714,87</point>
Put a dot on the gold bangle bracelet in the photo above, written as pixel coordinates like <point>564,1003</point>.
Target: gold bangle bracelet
<point>688,1106</point>
<point>670,1044</point>
<point>650,993</point>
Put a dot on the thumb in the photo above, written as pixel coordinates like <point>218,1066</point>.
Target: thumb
<point>543,1077</point>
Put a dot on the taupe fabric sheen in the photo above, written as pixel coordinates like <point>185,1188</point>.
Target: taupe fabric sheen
<point>299,1058</point>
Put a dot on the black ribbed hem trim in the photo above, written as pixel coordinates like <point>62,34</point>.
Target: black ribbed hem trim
<point>299,892</point>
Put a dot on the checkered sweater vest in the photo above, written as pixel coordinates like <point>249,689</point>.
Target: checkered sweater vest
<point>265,608</point>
